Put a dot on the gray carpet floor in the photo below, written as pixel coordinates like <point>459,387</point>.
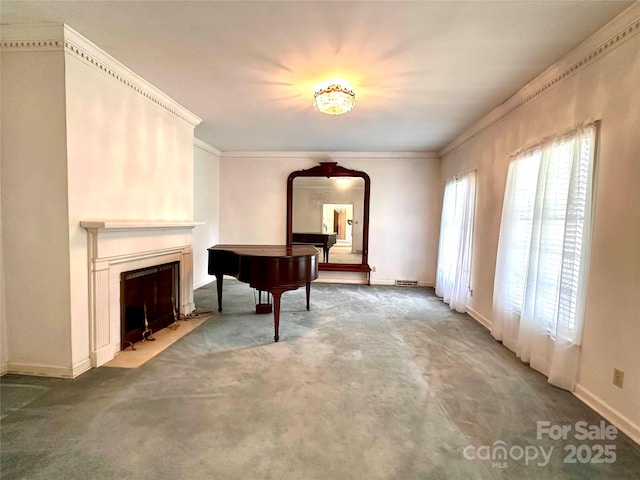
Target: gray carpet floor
<point>372,383</point>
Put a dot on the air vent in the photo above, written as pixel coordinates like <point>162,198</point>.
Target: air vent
<point>406,283</point>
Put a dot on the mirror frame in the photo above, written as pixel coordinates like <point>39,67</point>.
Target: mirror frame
<point>329,170</point>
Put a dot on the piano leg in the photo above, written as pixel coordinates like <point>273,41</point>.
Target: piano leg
<point>219,287</point>
<point>277,293</point>
<point>276,312</point>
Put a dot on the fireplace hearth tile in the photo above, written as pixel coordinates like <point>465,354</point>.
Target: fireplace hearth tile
<point>164,338</point>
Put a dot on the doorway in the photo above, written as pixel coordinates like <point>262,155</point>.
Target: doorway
<point>338,218</point>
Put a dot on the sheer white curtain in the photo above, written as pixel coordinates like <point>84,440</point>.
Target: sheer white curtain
<point>543,250</point>
<point>453,274</point>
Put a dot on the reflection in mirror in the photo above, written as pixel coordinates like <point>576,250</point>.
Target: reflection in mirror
<point>328,212</point>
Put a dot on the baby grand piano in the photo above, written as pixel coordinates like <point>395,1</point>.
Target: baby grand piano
<point>267,268</point>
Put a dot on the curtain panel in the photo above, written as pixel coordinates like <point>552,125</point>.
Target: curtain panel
<point>453,273</point>
<point>543,251</point>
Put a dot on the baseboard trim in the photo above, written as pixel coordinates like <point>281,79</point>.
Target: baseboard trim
<point>392,283</point>
<point>104,354</point>
<point>187,308</point>
<point>40,370</point>
<point>82,367</point>
<point>47,371</point>
<point>616,418</point>
<point>481,319</point>
<point>349,281</point>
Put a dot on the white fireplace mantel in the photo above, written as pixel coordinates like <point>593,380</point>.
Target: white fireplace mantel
<point>117,246</point>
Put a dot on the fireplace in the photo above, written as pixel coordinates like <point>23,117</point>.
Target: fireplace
<point>149,301</point>
<point>117,247</point>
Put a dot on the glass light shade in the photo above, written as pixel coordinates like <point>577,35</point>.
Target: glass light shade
<point>334,97</point>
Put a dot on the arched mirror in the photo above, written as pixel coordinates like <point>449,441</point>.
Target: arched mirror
<point>328,206</point>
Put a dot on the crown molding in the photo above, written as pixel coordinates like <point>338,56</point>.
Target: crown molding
<point>615,33</point>
<point>329,156</point>
<point>47,37</point>
<point>34,37</point>
<point>91,54</point>
<point>206,147</point>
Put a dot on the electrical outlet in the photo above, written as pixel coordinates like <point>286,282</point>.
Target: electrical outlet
<point>618,377</point>
<point>373,269</point>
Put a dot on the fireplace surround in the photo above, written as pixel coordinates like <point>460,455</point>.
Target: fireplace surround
<point>116,247</point>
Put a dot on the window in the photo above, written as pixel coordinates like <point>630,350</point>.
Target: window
<point>521,199</point>
<point>541,268</point>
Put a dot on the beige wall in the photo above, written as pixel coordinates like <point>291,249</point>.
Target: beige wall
<point>607,89</point>
<point>34,211</point>
<point>206,209</point>
<point>404,208</point>
<point>4,343</point>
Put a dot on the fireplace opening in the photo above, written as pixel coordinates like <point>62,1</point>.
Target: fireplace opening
<point>149,300</point>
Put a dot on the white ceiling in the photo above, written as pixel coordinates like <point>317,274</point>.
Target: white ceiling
<point>422,71</point>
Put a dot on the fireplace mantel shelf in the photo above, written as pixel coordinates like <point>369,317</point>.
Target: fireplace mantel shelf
<point>113,225</point>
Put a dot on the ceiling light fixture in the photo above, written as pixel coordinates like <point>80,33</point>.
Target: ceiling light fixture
<point>334,97</point>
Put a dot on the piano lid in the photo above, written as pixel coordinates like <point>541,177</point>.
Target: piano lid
<point>267,250</point>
